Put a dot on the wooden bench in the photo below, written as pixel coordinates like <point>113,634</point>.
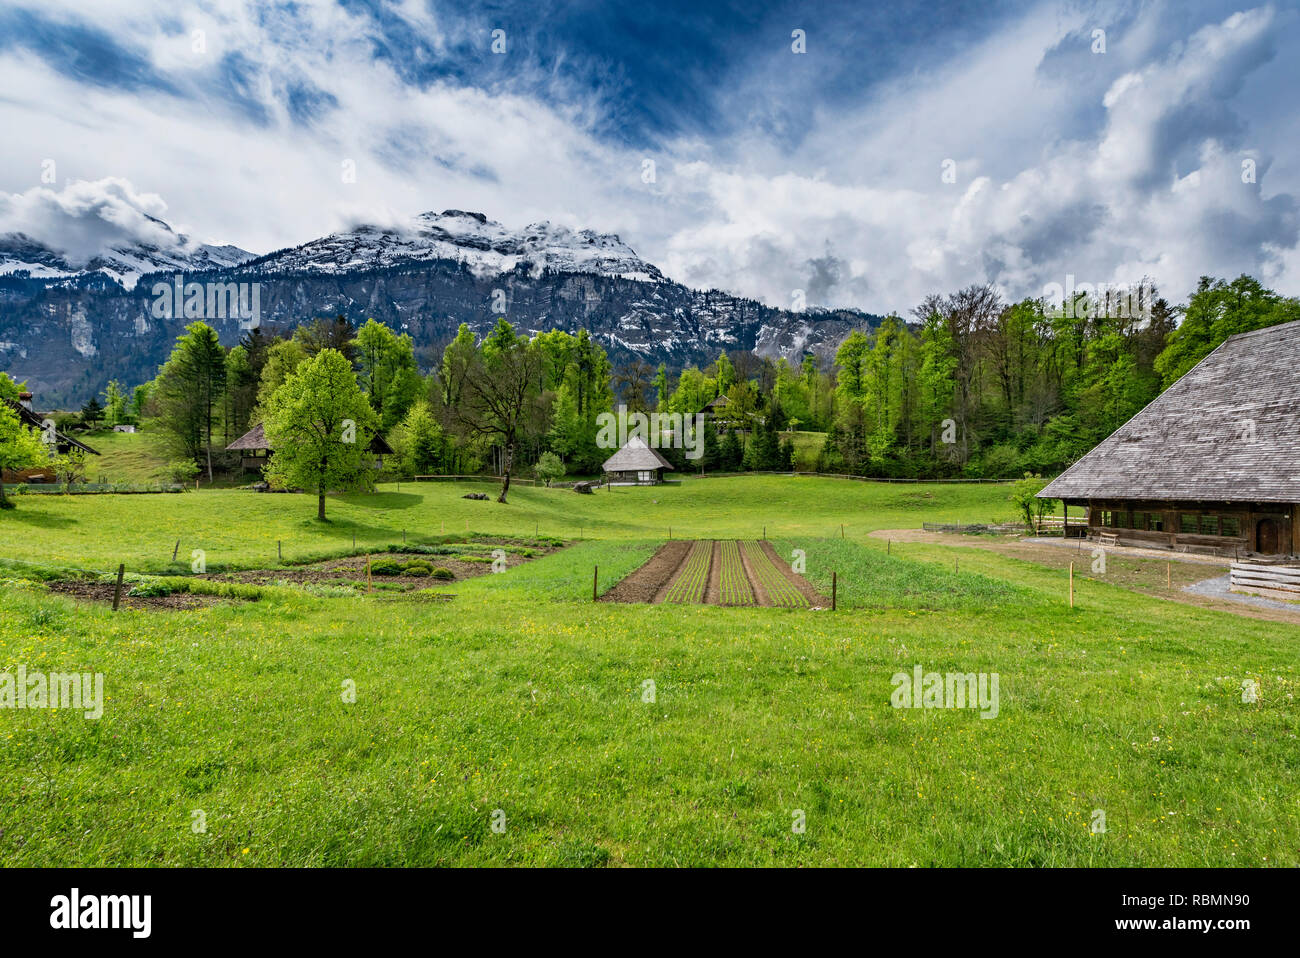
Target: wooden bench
<point>1108,538</point>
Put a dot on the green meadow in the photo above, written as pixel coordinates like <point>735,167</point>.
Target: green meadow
<point>519,723</point>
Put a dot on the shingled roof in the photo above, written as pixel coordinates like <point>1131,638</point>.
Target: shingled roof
<point>635,456</point>
<point>1227,431</point>
<point>33,421</point>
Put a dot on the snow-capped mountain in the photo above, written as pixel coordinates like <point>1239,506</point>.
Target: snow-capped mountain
<point>484,246</point>
<point>123,263</point>
<point>69,327</point>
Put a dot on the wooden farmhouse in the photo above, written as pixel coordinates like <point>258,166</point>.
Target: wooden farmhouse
<point>57,443</point>
<point>1211,465</point>
<point>635,464</point>
<point>255,449</point>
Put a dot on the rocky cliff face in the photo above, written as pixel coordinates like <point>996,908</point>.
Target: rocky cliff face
<point>69,334</point>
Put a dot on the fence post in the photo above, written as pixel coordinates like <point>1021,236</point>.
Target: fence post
<point>279,550</point>
<point>176,550</point>
<point>117,589</point>
<point>835,588</point>
<point>1072,584</point>
<point>595,578</point>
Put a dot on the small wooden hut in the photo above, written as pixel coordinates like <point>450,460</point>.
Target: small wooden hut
<point>635,464</point>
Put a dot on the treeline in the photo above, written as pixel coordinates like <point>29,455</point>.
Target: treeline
<point>970,386</point>
<point>978,387</point>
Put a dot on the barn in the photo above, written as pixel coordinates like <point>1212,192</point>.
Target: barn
<point>635,464</point>
<point>1212,465</point>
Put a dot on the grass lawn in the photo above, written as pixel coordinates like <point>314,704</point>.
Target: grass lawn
<point>807,447</point>
<point>611,734</point>
<point>126,458</point>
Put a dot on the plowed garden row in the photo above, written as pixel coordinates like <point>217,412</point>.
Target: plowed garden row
<point>717,572</point>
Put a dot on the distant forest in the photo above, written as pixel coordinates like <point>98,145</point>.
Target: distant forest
<point>967,386</point>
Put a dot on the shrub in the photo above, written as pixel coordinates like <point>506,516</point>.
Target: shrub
<point>418,571</point>
<point>385,567</point>
<point>441,573</point>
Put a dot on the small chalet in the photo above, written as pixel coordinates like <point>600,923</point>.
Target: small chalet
<point>716,408</point>
<point>635,464</point>
<point>1211,465</point>
<point>255,449</point>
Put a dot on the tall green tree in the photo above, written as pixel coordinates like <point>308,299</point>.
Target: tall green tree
<point>320,426</point>
<point>190,389</point>
<point>388,372</point>
<point>501,399</point>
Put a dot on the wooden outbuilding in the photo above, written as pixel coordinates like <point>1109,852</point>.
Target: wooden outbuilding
<point>255,449</point>
<point>635,464</point>
<point>1211,465</point>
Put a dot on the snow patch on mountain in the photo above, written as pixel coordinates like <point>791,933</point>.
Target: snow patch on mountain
<point>484,246</point>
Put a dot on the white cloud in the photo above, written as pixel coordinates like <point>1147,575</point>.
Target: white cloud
<point>856,213</point>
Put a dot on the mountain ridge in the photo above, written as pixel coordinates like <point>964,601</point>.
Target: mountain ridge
<point>69,334</point>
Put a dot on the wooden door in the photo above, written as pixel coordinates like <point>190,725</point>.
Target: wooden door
<point>1268,538</point>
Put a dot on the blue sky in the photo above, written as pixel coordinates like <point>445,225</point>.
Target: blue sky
<point>774,171</point>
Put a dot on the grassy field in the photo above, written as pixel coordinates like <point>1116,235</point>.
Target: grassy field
<point>608,734</point>
<point>126,458</point>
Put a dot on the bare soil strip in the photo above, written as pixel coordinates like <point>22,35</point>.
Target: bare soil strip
<point>713,594</point>
<point>647,583</point>
<point>85,591</point>
<point>654,580</point>
<point>760,593</point>
<point>815,599</point>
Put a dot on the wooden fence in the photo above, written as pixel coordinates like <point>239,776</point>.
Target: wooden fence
<point>1272,581</point>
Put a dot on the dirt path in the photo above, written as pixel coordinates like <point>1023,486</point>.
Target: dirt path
<point>1163,575</point>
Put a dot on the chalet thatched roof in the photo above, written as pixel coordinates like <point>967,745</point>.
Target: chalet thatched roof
<point>635,456</point>
<point>255,439</point>
<point>1227,431</point>
<point>33,421</point>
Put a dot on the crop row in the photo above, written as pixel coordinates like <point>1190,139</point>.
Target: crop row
<point>693,581</point>
<point>780,590</point>
<point>734,584</point>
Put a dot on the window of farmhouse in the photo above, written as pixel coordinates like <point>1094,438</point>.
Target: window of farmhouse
<point>1188,522</point>
<point>1140,521</point>
<point>643,476</point>
<point>1209,525</point>
<point>1231,526</point>
<point>1157,523</point>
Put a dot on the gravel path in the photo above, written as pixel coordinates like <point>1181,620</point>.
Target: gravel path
<point>1220,588</point>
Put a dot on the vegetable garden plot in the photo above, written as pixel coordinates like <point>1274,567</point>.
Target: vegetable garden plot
<point>743,573</point>
<point>693,577</point>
